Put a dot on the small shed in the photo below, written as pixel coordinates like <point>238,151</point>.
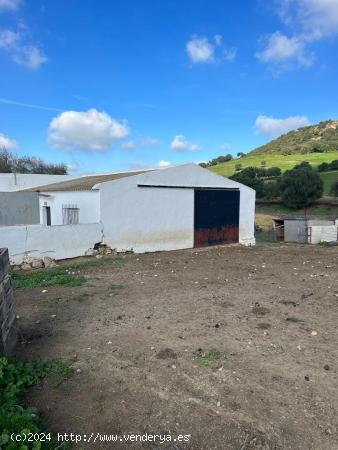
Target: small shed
<point>309,229</point>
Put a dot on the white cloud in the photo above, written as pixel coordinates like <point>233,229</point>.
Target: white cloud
<point>164,163</point>
<point>309,21</point>
<point>282,49</point>
<point>150,141</point>
<point>317,18</point>
<point>272,127</point>
<point>9,5</point>
<point>218,39</point>
<point>180,144</point>
<point>203,50</point>
<point>200,50</point>
<point>92,130</point>
<point>13,42</point>
<point>30,56</point>
<point>230,54</point>
<point>129,145</point>
<point>7,143</point>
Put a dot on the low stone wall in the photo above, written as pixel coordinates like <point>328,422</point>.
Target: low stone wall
<point>8,333</point>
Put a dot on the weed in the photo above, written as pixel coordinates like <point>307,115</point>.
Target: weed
<point>211,358</point>
<point>272,349</point>
<point>115,288</point>
<point>324,244</point>
<point>15,378</point>
<point>121,355</point>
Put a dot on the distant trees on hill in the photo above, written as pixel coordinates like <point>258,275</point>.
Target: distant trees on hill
<point>218,160</point>
<point>298,187</point>
<point>11,163</point>
<point>325,167</point>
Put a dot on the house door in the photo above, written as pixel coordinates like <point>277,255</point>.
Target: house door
<point>46,216</point>
<point>216,217</point>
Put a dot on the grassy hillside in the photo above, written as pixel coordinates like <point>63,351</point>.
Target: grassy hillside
<point>321,137</point>
<point>283,162</point>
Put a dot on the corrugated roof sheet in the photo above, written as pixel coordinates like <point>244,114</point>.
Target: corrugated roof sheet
<point>85,183</point>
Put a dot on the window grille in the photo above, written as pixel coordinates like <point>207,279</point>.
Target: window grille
<point>70,214</point>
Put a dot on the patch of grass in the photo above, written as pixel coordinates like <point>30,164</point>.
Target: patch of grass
<point>211,358</point>
<point>15,379</point>
<point>46,277</point>
<point>279,209</point>
<point>59,371</point>
<point>121,355</point>
<point>329,178</point>
<point>115,288</point>
<point>272,349</point>
<point>61,275</point>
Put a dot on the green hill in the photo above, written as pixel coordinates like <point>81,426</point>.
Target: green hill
<point>322,137</point>
<point>315,144</point>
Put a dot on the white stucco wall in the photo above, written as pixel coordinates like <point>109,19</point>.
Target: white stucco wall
<point>58,242</point>
<point>247,216</point>
<point>325,233</point>
<point>88,203</point>
<point>10,182</point>
<point>146,219</point>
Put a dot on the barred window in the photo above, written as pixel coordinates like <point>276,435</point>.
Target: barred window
<point>70,214</point>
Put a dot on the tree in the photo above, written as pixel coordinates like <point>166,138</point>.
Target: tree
<point>240,154</point>
<point>334,189</point>
<point>334,165</point>
<point>272,189</point>
<point>300,186</point>
<point>6,161</point>
<point>248,176</point>
<point>273,172</point>
<point>11,163</point>
<point>323,167</point>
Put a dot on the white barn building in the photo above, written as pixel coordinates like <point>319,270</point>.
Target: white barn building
<point>166,209</point>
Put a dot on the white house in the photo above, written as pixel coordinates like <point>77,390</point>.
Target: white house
<point>177,207</point>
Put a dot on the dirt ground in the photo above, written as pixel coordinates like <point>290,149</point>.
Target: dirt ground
<point>237,347</point>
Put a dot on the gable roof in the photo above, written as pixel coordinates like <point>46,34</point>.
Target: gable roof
<point>187,176</point>
<point>84,183</point>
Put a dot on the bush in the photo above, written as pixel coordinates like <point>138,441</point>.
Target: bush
<point>334,189</point>
<point>238,167</point>
<point>273,172</point>
<point>334,165</point>
<point>301,186</point>
<point>15,378</point>
<point>323,167</point>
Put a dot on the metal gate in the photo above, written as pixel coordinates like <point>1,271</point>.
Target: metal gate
<point>216,217</point>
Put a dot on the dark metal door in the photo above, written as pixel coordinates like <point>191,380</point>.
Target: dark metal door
<point>216,217</point>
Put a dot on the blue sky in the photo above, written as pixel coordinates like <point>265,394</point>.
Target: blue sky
<point>110,85</point>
